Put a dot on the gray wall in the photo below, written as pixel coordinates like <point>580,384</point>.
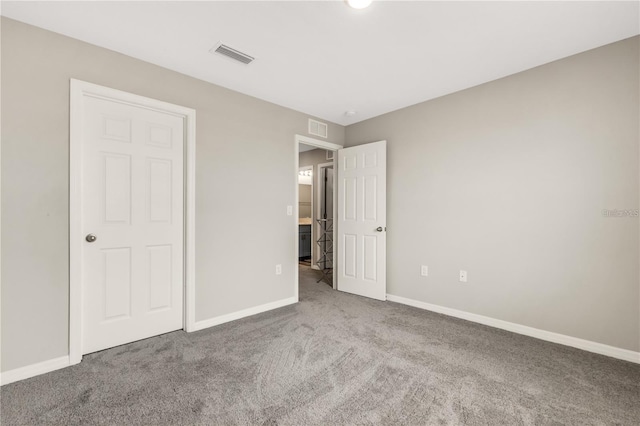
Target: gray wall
<point>508,181</point>
<point>304,201</point>
<point>36,68</point>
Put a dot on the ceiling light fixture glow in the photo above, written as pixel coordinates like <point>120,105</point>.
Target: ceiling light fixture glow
<point>359,4</point>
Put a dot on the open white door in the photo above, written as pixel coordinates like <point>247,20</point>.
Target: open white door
<point>362,219</point>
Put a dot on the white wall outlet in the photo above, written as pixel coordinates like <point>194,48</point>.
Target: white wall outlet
<point>424,270</point>
<point>463,276</point>
<point>278,269</point>
<point>289,210</point>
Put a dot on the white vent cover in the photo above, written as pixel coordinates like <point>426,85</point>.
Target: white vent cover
<point>232,53</point>
<point>318,129</point>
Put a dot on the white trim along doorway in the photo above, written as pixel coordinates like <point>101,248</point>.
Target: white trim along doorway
<point>81,95</point>
<point>322,145</point>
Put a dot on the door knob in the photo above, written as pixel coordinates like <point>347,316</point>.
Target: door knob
<point>90,238</point>
<point>379,229</point>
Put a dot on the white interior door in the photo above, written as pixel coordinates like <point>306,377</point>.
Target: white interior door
<point>362,218</point>
<point>132,202</point>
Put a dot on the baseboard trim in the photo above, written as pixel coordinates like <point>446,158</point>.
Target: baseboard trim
<point>33,370</point>
<point>586,345</point>
<point>200,325</point>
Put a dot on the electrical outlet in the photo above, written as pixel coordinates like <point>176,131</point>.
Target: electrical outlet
<point>289,210</point>
<point>463,276</point>
<point>278,269</point>
<point>424,270</point>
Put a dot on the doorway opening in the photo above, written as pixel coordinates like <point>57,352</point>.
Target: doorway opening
<point>315,211</point>
<point>360,197</point>
<point>315,214</point>
<point>305,213</point>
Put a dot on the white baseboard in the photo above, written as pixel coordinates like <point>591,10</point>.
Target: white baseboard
<point>200,325</point>
<point>316,267</point>
<point>586,345</point>
<point>64,361</point>
<point>34,370</point>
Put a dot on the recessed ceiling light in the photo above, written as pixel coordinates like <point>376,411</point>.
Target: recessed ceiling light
<point>350,113</point>
<point>359,4</point>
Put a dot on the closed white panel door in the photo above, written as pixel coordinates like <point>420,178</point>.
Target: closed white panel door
<point>132,203</point>
<point>362,218</point>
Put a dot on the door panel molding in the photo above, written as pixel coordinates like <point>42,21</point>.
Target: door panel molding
<point>79,91</point>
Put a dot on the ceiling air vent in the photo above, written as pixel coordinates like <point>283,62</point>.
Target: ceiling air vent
<point>232,53</point>
<point>318,128</point>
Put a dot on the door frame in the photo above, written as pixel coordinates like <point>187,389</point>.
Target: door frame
<point>329,146</point>
<point>77,92</point>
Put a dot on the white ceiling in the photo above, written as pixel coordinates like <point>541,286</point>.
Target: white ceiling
<point>324,58</point>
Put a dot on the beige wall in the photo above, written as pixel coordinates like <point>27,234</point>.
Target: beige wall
<point>36,68</point>
<point>508,180</point>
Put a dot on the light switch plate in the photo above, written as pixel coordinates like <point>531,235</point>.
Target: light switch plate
<point>424,270</point>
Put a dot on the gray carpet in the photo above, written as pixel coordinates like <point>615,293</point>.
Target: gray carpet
<point>334,358</point>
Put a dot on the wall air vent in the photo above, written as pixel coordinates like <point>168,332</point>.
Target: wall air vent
<point>318,128</point>
<point>232,53</point>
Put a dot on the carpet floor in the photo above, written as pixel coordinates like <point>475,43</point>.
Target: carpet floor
<point>333,358</point>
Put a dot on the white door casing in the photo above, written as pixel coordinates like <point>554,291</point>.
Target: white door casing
<point>362,218</point>
<point>128,157</point>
